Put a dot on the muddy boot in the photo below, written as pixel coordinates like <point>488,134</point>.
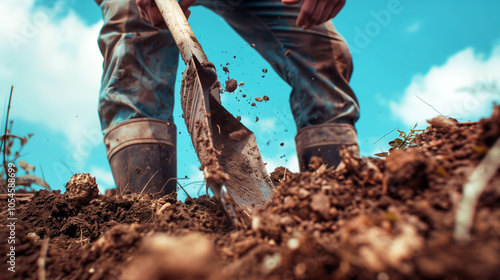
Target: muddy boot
<point>142,156</point>
<point>319,144</point>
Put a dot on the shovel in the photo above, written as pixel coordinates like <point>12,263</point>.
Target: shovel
<point>227,150</point>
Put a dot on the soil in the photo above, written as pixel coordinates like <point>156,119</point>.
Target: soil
<point>372,218</point>
<point>231,85</point>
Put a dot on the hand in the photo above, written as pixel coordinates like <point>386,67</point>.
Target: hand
<point>150,13</point>
<point>315,12</point>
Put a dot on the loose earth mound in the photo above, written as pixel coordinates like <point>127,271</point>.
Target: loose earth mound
<point>389,218</point>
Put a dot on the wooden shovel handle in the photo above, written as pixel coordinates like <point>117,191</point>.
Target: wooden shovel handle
<point>181,30</point>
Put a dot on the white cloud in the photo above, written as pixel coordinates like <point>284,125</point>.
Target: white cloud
<point>55,65</point>
<point>444,88</point>
<point>414,27</point>
<point>292,164</point>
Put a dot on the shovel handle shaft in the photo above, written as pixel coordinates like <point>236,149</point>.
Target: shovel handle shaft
<point>181,30</point>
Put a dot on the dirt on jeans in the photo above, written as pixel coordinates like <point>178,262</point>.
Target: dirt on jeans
<point>372,218</point>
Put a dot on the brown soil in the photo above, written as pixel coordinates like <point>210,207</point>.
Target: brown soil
<point>372,218</point>
<point>231,85</point>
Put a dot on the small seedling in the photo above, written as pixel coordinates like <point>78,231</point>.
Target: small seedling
<point>403,141</point>
<point>7,144</point>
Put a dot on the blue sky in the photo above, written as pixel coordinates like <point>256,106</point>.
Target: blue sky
<point>403,50</point>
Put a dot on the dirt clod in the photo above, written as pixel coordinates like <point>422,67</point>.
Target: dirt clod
<point>231,85</point>
<point>82,188</point>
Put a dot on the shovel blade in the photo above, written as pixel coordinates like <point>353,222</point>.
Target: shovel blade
<point>227,150</point>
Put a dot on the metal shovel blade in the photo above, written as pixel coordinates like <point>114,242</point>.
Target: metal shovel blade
<point>227,150</point>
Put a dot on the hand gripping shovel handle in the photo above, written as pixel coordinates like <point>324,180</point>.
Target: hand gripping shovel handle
<point>181,30</point>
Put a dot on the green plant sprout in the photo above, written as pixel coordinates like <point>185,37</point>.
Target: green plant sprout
<point>403,141</point>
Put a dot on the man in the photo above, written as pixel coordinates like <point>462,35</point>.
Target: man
<point>140,63</point>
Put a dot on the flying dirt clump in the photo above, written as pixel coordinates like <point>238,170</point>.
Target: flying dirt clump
<point>231,85</point>
<point>260,99</point>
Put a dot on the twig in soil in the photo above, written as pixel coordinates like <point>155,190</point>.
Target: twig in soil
<point>124,189</point>
<point>200,188</point>
<point>167,183</point>
<point>67,167</point>
<point>43,174</point>
<point>4,140</point>
<point>82,240</point>
<point>472,191</point>
<point>467,123</point>
<point>429,105</point>
<point>148,182</point>
<point>19,196</point>
<point>184,190</point>
<point>330,169</point>
<point>41,259</point>
<point>383,136</point>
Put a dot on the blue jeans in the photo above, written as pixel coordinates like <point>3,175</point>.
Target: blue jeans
<point>140,65</point>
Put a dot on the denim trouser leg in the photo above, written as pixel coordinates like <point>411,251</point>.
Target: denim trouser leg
<point>141,62</point>
<point>318,66</point>
<point>140,65</point>
<point>136,100</point>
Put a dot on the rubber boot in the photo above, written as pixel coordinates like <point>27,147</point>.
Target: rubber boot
<point>322,142</point>
<point>142,156</point>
